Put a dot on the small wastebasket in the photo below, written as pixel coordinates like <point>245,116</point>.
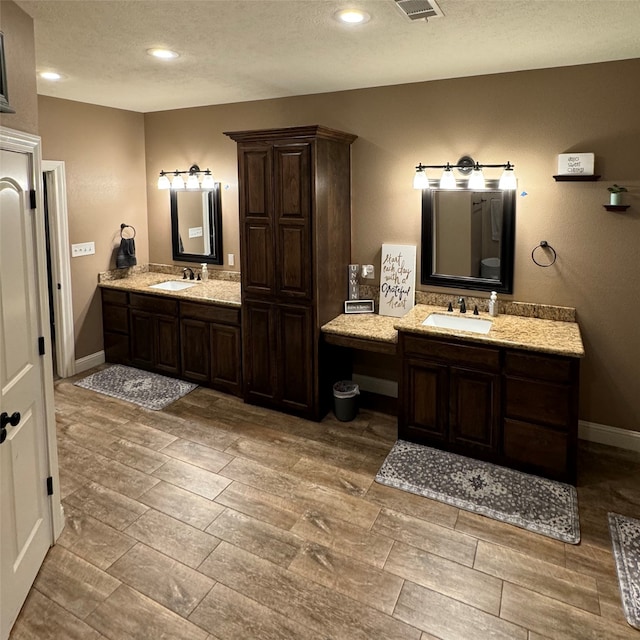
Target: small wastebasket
<point>345,400</point>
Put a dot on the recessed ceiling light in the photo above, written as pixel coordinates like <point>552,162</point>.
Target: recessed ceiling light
<point>352,16</point>
<point>163,54</point>
<point>50,75</point>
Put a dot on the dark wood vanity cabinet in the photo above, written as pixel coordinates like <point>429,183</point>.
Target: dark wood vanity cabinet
<point>295,245</point>
<point>450,394</point>
<point>507,406</point>
<point>115,325</point>
<point>197,341</point>
<point>154,333</point>
<point>210,345</point>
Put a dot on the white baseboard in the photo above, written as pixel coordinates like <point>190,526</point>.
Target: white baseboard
<point>590,431</point>
<point>376,385</point>
<point>613,436</point>
<point>90,361</point>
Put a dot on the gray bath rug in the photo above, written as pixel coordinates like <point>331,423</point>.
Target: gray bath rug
<point>536,504</point>
<point>625,536</point>
<point>149,390</point>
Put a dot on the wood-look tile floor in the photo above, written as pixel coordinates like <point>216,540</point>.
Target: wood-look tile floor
<point>213,519</point>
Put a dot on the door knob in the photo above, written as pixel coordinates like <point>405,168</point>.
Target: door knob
<point>6,419</point>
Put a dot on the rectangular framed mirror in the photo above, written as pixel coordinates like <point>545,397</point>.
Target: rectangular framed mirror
<point>196,225</point>
<point>468,238</point>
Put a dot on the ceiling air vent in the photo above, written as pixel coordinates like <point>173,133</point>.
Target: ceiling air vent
<point>419,9</point>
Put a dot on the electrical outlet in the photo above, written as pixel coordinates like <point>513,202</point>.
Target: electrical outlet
<point>231,260</point>
<point>83,249</point>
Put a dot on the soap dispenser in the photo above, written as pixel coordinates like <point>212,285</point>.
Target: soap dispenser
<point>493,304</point>
<point>204,271</point>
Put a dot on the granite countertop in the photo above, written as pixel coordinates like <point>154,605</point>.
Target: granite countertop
<point>519,332</point>
<point>214,291</point>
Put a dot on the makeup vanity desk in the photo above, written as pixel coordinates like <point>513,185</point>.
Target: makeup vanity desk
<point>509,397</point>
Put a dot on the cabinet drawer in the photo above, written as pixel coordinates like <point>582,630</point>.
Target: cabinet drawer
<point>530,365</point>
<point>538,401</point>
<point>457,354</point>
<point>115,318</point>
<point>154,304</point>
<point>115,297</point>
<point>536,446</point>
<point>210,313</point>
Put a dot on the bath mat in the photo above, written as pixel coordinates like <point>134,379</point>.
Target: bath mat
<point>149,390</point>
<point>536,504</point>
<point>625,536</point>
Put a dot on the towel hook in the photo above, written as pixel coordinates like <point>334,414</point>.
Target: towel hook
<point>123,226</point>
<point>544,245</point>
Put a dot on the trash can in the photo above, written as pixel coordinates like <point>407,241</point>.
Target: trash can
<point>345,400</point>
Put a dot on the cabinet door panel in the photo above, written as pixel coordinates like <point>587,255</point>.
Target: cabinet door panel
<point>292,169</point>
<point>226,365</point>
<point>296,362</point>
<point>259,345</point>
<point>474,409</point>
<point>194,345</point>
<point>258,258</point>
<point>167,356</point>
<point>425,402</point>
<point>294,261</point>
<point>255,175</point>
<point>142,336</point>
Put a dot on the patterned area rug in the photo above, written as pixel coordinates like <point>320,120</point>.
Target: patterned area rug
<point>625,536</point>
<point>530,502</point>
<point>149,390</point>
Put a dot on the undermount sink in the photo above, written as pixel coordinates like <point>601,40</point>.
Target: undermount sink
<point>458,323</point>
<point>173,285</point>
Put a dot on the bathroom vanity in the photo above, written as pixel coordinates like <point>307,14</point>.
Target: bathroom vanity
<point>509,396</point>
<point>192,334</point>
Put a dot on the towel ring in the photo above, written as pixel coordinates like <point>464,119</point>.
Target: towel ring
<point>544,245</point>
<point>123,226</point>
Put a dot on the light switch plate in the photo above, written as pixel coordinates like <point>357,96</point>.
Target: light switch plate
<point>231,259</point>
<point>83,249</point>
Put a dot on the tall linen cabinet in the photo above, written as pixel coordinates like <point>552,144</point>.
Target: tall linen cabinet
<point>295,245</point>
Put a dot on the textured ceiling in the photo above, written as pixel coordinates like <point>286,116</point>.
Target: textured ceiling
<point>240,50</point>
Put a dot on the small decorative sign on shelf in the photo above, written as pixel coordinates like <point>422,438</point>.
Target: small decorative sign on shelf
<point>358,306</point>
<point>571,164</point>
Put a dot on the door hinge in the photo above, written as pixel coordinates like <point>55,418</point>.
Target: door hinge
<point>33,201</point>
<point>49,486</point>
<point>41,345</point>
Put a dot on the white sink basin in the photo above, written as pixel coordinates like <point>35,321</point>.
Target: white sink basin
<point>458,323</point>
<point>173,285</point>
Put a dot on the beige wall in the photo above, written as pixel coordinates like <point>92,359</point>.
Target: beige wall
<point>103,151</point>
<point>20,61</point>
<point>527,118</point>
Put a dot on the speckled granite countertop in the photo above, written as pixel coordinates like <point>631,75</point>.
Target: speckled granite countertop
<point>215,291</point>
<point>518,332</point>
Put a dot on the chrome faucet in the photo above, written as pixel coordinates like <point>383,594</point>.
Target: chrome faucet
<point>184,273</point>
<point>463,306</point>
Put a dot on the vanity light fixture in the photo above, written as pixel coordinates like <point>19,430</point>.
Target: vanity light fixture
<point>465,165</point>
<point>193,180</point>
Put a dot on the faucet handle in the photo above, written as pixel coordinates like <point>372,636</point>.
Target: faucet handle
<point>450,308</point>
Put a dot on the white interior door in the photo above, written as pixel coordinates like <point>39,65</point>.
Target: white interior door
<point>25,517</point>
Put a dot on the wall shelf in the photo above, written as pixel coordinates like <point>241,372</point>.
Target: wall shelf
<point>616,207</point>
<point>576,178</point>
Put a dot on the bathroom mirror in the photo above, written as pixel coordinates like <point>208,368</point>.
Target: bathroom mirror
<point>468,238</point>
<point>196,225</point>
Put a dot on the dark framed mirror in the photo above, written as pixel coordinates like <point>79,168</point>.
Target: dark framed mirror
<point>196,225</point>
<point>468,238</point>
